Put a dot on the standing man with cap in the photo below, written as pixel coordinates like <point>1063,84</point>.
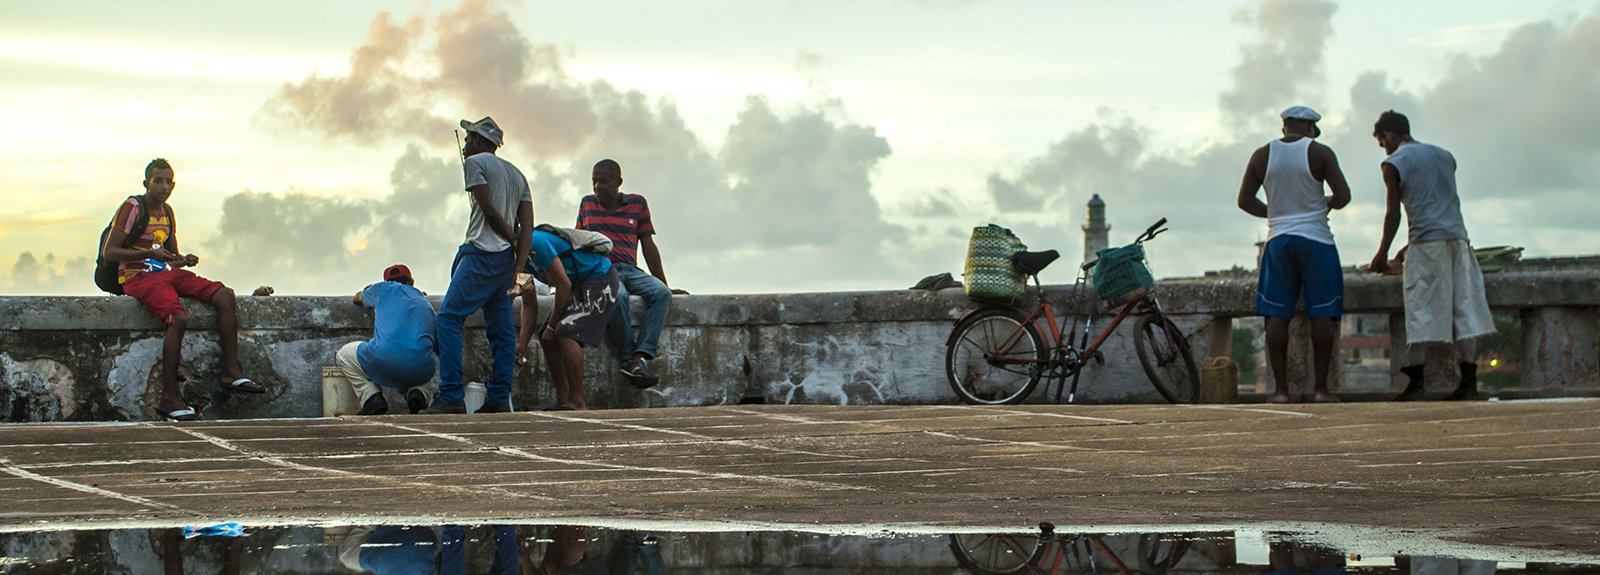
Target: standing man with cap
<point>1445,301</point>
<point>401,353</point>
<point>1300,257</point>
<point>485,268</point>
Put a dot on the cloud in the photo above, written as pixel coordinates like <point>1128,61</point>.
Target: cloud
<point>29,275</point>
<point>1519,121</point>
<point>379,98</point>
<point>786,200</point>
<point>1283,66</point>
<point>306,244</point>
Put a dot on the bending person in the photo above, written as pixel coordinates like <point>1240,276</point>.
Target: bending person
<point>401,353</point>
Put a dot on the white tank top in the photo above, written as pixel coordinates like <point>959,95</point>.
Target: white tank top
<point>1295,204</point>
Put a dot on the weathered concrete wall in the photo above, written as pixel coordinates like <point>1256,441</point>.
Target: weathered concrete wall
<point>311,550</point>
<point>96,358</point>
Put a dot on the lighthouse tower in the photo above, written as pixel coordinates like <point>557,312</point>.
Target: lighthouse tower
<point>1096,233</point>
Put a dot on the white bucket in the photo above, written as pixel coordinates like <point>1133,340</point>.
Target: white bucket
<point>475,393</point>
<point>338,396</point>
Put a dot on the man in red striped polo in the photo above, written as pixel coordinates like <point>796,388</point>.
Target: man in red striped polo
<point>625,218</point>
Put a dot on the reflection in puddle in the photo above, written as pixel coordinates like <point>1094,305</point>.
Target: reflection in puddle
<point>509,549</point>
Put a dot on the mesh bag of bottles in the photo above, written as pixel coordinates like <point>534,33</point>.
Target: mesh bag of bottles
<point>989,275</point>
<point>1121,276</point>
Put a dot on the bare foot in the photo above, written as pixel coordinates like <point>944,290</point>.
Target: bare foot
<point>1281,398</point>
<point>1325,397</point>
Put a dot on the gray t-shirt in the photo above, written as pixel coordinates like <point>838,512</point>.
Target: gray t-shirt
<point>507,188</point>
<point>1428,190</point>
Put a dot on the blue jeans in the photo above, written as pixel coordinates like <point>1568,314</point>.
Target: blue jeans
<point>657,300</point>
<point>453,554</point>
<point>478,280</point>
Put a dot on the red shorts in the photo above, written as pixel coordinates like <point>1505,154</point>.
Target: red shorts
<point>159,291</point>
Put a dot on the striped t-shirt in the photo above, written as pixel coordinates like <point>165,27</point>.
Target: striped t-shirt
<point>624,225</point>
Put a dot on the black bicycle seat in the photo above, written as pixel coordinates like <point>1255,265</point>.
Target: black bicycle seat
<point>1031,263</point>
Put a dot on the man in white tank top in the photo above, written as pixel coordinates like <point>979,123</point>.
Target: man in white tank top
<point>1299,257</point>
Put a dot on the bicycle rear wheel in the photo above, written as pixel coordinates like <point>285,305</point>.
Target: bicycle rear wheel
<point>1167,359</point>
<point>994,357</point>
<point>996,554</point>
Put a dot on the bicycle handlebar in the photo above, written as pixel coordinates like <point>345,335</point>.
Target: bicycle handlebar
<point>1152,230</point>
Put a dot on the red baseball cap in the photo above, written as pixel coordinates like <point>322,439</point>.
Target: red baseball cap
<point>397,271</point>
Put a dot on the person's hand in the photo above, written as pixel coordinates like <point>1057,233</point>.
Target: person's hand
<point>676,291</point>
<point>520,284</point>
<point>547,333</point>
<point>191,260</point>
<point>161,254</point>
<point>1380,264</point>
<point>522,354</point>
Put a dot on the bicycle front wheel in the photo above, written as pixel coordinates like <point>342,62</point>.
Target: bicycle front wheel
<point>994,358</point>
<point>1167,359</point>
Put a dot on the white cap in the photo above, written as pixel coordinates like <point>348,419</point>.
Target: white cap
<point>1301,113</point>
<point>486,128</point>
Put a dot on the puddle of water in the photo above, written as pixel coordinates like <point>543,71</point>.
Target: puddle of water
<point>414,549</point>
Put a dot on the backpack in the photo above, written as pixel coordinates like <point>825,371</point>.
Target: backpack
<point>105,272</point>
<point>582,240</point>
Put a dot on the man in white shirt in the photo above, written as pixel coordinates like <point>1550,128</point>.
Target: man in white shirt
<point>1445,301</point>
<point>1300,257</point>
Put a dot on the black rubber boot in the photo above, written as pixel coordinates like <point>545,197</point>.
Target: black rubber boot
<point>1468,389</point>
<point>1414,391</point>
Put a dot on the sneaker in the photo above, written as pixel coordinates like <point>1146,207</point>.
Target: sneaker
<point>445,408</point>
<point>375,405</point>
<point>494,408</point>
<point>416,400</point>
<point>638,373</point>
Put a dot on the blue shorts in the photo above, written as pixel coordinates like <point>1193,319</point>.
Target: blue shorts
<point>1291,265</point>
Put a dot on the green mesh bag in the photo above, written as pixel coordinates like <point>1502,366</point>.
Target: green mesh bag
<point>989,275</point>
<point>1121,274</point>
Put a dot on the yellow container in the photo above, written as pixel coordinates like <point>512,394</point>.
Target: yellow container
<point>338,396</point>
<point>1219,381</point>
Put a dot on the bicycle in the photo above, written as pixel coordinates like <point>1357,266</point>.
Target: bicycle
<point>997,554</point>
<point>996,354</point>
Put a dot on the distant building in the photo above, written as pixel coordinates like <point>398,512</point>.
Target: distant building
<point>1096,233</point>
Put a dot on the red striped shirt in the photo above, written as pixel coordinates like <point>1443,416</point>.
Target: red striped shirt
<point>624,225</point>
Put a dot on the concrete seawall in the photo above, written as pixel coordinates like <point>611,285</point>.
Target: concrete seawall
<point>96,358</point>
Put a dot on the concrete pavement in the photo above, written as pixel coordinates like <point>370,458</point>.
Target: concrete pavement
<point>1523,474</point>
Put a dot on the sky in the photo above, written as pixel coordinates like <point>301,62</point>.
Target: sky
<point>784,146</point>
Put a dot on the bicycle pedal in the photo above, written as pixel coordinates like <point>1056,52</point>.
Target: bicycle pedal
<point>1099,358</point>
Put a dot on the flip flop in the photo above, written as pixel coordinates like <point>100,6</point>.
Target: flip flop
<point>185,414</point>
<point>245,385</point>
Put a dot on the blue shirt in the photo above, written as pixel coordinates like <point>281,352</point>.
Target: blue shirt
<point>580,265</point>
<point>401,353</point>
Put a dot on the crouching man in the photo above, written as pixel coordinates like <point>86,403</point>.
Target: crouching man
<point>401,354</point>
